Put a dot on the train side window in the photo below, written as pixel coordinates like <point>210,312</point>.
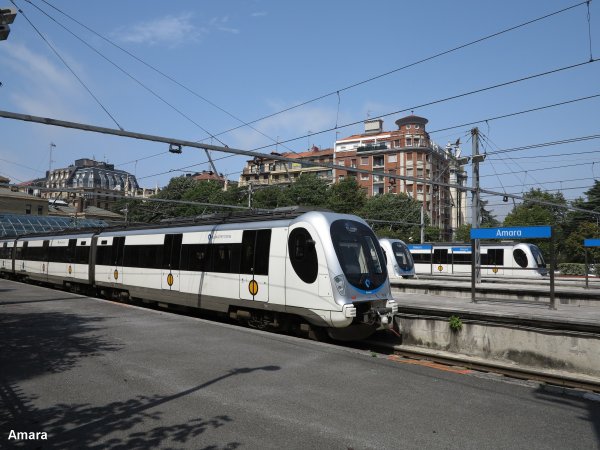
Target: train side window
<point>255,252</point>
<point>172,251</point>
<point>226,258</point>
<point>520,257</point>
<point>422,258</point>
<point>440,256</point>
<point>303,255</point>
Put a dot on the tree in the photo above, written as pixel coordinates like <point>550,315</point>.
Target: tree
<point>307,190</point>
<point>463,233</point>
<point>401,214</point>
<point>531,213</point>
<point>574,249</point>
<point>487,218</point>
<point>346,196</point>
<point>268,197</point>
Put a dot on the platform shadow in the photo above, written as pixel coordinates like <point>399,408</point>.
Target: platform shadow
<point>131,424</point>
<point>37,343</point>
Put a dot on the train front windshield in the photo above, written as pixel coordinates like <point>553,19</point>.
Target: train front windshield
<point>402,256</point>
<point>359,254</point>
<point>537,256</point>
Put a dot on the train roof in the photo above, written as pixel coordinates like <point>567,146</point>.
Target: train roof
<point>222,218</point>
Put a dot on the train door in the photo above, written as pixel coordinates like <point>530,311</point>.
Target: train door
<point>118,246</point>
<point>254,267</point>
<point>440,261</point>
<point>45,258</point>
<point>70,259</point>
<point>170,264</point>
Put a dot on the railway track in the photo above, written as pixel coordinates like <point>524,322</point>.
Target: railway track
<point>458,363</point>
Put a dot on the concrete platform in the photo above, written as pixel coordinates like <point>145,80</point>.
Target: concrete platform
<point>523,332</point>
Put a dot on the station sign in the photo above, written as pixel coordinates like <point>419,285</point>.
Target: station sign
<point>419,246</point>
<point>591,242</point>
<point>461,249</point>
<point>512,232</point>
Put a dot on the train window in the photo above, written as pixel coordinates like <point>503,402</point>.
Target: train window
<point>402,255</point>
<point>172,251</point>
<point>255,252</point>
<point>422,258</point>
<point>225,258</point>
<point>303,255</point>
<point>494,257</point>
<point>103,255</point>
<point>520,257</point>
<point>82,255</point>
<point>537,256</point>
<point>146,256</point>
<point>440,256</point>
<point>461,258</point>
<point>195,257</point>
<point>360,259</point>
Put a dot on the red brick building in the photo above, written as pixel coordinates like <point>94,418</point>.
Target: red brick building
<point>407,151</point>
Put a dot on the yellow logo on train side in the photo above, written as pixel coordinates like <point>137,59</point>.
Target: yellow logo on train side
<point>440,268</point>
<point>70,269</point>
<point>116,274</point>
<point>253,287</point>
<point>170,279</point>
<point>495,270</point>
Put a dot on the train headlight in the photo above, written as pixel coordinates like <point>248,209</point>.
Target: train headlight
<point>340,284</point>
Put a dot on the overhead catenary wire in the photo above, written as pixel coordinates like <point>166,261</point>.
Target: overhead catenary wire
<point>429,58</point>
<point>445,99</point>
<point>250,153</point>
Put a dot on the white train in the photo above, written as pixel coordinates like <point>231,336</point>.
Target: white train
<point>399,261</point>
<point>508,259</point>
<point>312,271</point>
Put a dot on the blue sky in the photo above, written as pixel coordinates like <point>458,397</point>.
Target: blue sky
<point>255,58</point>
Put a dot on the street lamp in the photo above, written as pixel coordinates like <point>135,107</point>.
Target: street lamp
<point>7,16</point>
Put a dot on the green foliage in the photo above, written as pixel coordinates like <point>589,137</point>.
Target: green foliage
<point>346,196</point>
<point>571,268</point>
<point>574,242</point>
<point>307,190</point>
<point>463,233</point>
<point>455,323</point>
<point>402,213</point>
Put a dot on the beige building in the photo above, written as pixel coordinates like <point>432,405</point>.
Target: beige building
<point>14,202</point>
<point>267,171</point>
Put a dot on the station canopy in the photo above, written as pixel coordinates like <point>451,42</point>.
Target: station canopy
<point>12,225</point>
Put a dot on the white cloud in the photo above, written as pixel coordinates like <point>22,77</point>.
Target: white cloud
<point>169,30</point>
<point>258,14</point>
<point>44,88</point>
<point>172,30</point>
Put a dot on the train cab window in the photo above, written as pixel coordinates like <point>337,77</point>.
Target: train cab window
<point>256,245</point>
<point>361,260</point>
<point>402,255</point>
<point>303,255</point>
<point>520,257</point>
<point>537,256</point>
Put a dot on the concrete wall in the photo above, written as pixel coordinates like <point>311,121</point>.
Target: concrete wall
<point>575,352</point>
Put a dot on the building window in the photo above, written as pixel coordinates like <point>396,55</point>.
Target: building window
<point>408,126</point>
<point>364,161</point>
<point>417,126</point>
<point>408,142</point>
<point>353,163</point>
<point>393,158</point>
<point>378,161</point>
<point>27,209</point>
<point>364,176</point>
<point>341,178</point>
<point>416,142</point>
<point>397,143</point>
<point>40,210</point>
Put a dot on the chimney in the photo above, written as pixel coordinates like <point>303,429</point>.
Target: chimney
<point>373,126</point>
